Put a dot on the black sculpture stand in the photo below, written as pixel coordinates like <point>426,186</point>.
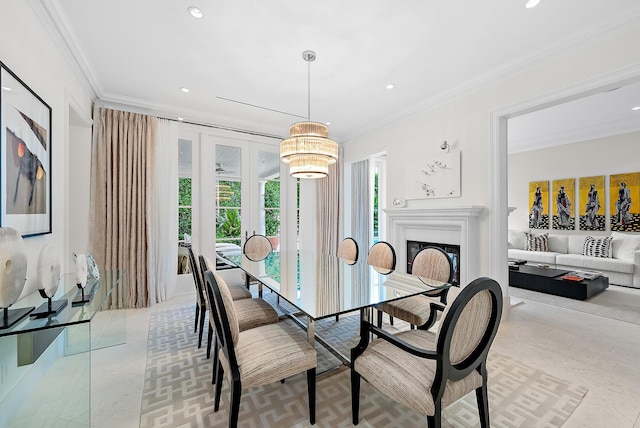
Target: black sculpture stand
<point>49,308</point>
<point>12,316</point>
<point>82,297</point>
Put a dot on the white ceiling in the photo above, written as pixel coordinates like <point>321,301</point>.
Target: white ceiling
<point>141,52</point>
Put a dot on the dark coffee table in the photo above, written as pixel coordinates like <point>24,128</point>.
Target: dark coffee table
<point>547,280</point>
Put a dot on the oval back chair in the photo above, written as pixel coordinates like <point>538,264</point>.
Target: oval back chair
<point>382,257</point>
<point>348,250</point>
<point>257,247</point>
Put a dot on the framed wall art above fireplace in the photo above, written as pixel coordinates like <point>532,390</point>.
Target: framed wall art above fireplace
<point>25,157</point>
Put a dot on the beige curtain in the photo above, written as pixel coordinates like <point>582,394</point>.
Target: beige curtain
<point>328,237</point>
<point>361,221</point>
<point>122,164</point>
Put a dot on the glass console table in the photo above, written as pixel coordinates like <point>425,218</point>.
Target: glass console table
<point>45,363</point>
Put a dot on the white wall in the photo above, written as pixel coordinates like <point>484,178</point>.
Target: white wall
<point>25,47</point>
<point>466,122</point>
<point>604,156</point>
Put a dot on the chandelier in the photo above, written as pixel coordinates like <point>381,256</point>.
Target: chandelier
<point>309,151</point>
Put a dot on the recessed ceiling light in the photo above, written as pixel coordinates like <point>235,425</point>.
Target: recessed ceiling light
<point>185,90</point>
<point>532,3</point>
<point>180,119</point>
<point>636,108</point>
<point>6,88</point>
<point>391,86</point>
<point>195,12</point>
<point>327,123</point>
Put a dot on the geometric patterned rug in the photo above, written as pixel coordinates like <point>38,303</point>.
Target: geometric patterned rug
<point>178,391</point>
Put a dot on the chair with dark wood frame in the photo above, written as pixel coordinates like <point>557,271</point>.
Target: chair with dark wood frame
<point>426,371</point>
<point>248,360</point>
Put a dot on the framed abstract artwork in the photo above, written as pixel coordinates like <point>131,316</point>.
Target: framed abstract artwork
<point>25,157</point>
<point>563,211</point>
<point>592,203</point>
<point>539,204</point>
<point>624,202</point>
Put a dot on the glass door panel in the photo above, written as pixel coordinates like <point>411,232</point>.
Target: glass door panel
<point>269,189</point>
<point>228,195</point>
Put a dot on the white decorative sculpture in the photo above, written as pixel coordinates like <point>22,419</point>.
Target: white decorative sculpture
<point>81,269</point>
<point>13,266</point>
<point>93,266</point>
<point>13,275</point>
<point>48,271</point>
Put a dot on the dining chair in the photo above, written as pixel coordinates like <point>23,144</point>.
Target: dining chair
<point>348,250</point>
<point>252,312</point>
<point>427,371</point>
<point>382,257</point>
<point>238,292</point>
<point>258,356</point>
<point>430,262</point>
<point>257,247</point>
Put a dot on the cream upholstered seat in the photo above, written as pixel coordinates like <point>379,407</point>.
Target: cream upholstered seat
<point>251,313</point>
<point>348,250</point>
<point>427,371</point>
<point>382,257</point>
<point>258,356</point>
<point>432,263</point>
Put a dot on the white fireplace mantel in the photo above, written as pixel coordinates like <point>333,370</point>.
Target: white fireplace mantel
<point>454,225</point>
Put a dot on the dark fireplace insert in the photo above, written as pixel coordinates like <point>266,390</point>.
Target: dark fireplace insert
<point>413,247</point>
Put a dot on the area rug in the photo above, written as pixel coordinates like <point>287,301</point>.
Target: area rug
<point>178,390</point>
<point>616,302</point>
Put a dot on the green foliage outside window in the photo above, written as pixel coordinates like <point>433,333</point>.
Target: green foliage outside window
<point>272,200</point>
<point>184,207</point>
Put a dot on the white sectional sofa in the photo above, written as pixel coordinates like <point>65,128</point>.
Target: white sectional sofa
<point>566,252</point>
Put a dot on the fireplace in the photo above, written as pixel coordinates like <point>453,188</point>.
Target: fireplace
<point>414,247</point>
<point>453,226</point>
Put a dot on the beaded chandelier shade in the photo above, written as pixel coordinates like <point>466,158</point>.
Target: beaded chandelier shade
<point>309,151</point>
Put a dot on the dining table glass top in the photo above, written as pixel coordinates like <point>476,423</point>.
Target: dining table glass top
<point>323,285</point>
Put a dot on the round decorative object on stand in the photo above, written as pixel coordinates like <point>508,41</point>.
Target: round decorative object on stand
<point>48,271</point>
<point>13,275</point>
<point>93,266</point>
<point>48,278</point>
<point>82,275</point>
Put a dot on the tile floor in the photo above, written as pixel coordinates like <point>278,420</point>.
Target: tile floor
<point>600,353</point>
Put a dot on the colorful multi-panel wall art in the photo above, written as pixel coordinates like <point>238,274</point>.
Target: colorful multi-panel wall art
<point>624,202</point>
<point>556,206</point>
<point>538,203</point>
<point>563,213</point>
<point>592,210</point>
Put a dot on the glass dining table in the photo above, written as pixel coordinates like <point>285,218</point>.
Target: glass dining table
<point>321,285</point>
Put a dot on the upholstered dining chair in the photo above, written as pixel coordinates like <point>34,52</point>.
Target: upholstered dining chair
<point>382,257</point>
<point>238,292</point>
<point>251,313</point>
<point>348,250</point>
<point>430,262</point>
<point>256,357</point>
<point>257,247</point>
<point>427,371</point>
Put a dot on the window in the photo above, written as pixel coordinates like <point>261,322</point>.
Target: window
<point>228,195</point>
<point>184,191</point>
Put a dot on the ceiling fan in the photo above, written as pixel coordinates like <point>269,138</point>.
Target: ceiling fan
<point>221,170</point>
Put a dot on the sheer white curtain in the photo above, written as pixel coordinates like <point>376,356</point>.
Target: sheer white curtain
<point>361,215</point>
<point>162,214</point>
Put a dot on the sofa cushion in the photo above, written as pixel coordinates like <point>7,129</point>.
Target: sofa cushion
<point>597,247</point>
<point>576,244</point>
<point>516,239</point>
<point>558,243</point>
<point>595,263</point>
<point>545,257</point>
<point>623,245</point>
<point>536,242</point>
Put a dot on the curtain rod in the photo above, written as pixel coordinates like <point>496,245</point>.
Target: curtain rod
<point>225,128</point>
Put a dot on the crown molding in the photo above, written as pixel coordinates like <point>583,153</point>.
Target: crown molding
<point>57,25</point>
<point>608,29</point>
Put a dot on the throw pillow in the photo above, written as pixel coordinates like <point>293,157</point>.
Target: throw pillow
<point>537,242</point>
<point>597,247</point>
